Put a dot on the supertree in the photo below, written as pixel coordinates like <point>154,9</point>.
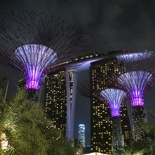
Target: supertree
<point>38,44</point>
<point>137,78</point>
<point>114,99</point>
<point>33,42</point>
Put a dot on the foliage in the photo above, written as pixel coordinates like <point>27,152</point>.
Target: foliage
<point>78,146</point>
<point>28,130</point>
<point>146,144</point>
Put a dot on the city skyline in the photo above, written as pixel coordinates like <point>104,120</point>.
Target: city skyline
<point>110,65</point>
<point>82,102</point>
<point>122,25</point>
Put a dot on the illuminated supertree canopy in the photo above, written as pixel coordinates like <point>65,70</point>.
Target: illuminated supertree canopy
<point>34,58</point>
<point>136,82</point>
<point>133,56</point>
<point>114,98</point>
<point>37,44</point>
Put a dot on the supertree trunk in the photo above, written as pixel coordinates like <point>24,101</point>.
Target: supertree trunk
<point>138,117</point>
<point>117,137</point>
<point>33,95</point>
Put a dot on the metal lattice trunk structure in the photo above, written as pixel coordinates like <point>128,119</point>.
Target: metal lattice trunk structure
<point>114,98</point>
<point>117,137</point>
<point>38,44</point>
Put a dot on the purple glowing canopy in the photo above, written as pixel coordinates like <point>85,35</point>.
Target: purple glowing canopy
<point>40,33</point>
<point>34,59</point>
<point>135,82</point>
<point>132,56</point>
<point>114,98</point>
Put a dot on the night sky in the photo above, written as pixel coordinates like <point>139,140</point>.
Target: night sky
<point>111,24</point>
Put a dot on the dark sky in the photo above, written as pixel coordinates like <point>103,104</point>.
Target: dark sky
<point>111,24</point>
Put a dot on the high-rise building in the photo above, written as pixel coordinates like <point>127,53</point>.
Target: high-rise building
<point>103,75</point>
<point>55,99</point>
<point>60,94</point>
<point>81,134</point>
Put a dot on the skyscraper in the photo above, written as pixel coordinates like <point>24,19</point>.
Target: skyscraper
<point>81,134</point>
<point>60,94</point>
<point>103,74</point>
<point>55,99</point>
<point>60,103</point>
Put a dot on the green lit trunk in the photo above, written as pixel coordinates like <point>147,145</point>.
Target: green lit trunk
<point>117,137</point>
<point>138,117</point>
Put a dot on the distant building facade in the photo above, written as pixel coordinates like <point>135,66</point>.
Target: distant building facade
<point>55,99</point>
<point>60,95</point>
<point>81,134</point>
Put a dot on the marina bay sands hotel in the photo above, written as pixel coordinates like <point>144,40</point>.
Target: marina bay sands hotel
<point>60,99</point>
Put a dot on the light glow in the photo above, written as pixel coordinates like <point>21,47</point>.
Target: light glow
<point>4,142</point>
<point>86,64</point>
<point>114,98</point>
<point>135,82</point>
<point>35,59</point>
<point>134,56</point>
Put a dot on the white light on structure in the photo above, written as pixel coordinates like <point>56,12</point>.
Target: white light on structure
<point>134,56</point>
<point>34,59</point>
<point>81,134</point>
<point>136,83</point>
<point>4,142</point>
<point>114,98</point>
